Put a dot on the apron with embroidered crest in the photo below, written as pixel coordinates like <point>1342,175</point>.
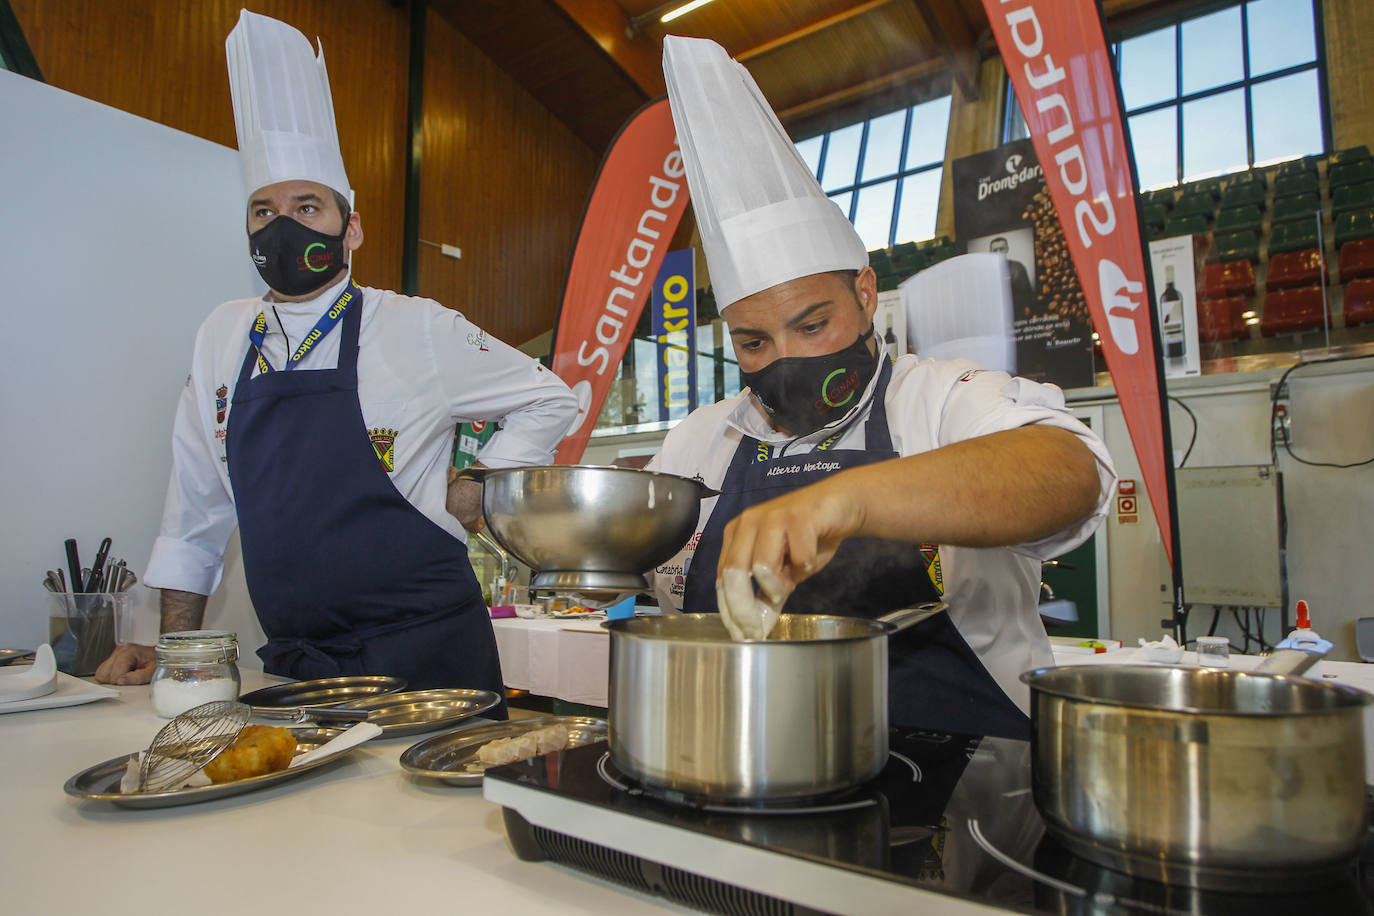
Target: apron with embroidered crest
<point>346,576</point>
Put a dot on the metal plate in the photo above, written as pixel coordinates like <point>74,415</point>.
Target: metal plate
<point>9,655</point>
<point>447,756</point>
<point>416,711</point>
<point>101,782</point>
<point>326,691</point>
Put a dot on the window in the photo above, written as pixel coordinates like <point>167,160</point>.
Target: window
<point>1218,93</point>
<point>885,172</point>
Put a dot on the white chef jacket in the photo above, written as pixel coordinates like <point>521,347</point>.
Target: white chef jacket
<point>422,369</point>
<point>992,592</point>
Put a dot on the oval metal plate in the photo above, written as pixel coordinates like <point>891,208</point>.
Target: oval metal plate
<point>447,756</point>
<point>325,691</point>
<point>101,782</point>
<point>415,711</point>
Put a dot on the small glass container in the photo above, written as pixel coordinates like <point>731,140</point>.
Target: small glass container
<point>1213,651</point>
<point>195,667</point>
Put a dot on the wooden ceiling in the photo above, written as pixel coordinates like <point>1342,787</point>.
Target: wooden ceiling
<point>820,63</point>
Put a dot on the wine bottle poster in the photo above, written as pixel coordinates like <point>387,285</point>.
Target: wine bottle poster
<point>1172,266</point>
<point>889,321</point>
<point>1001,205</point>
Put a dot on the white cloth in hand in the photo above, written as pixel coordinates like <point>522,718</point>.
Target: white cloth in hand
<point>747,613</point>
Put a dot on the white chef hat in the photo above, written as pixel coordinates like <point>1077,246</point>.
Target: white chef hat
<point>282,107</point>
<point>763,218</point>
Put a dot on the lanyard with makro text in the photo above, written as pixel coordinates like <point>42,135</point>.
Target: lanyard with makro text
<point>321,329</point>
<point>764,451</point>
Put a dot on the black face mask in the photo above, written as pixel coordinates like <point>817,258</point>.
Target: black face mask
<point>295,259</point>
<point>804,393</point>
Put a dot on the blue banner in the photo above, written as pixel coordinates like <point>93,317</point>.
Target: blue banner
<point>675,334</point>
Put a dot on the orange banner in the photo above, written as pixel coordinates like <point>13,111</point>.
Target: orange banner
<point>1056,56</point>
<point>635,206</point>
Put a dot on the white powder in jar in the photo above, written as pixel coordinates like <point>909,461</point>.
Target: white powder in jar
<point>173,697</point>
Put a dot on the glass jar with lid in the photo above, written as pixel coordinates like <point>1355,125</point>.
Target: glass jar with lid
<point>194,667</point>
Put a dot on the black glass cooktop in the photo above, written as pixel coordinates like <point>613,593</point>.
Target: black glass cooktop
<point>948,813</point>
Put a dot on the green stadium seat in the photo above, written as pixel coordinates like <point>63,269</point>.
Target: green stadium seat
<point>1299,166</point>
<point>1350,154</point>
<point>888,282</point>
<point>1244,194</point>
<point>1194,205</point>
<point>1354,224</point>
<point>880,261</point>
<point>1237,246</point>
<point>1186,225</point>
<point>1347,173</point>
<point>903,249</point>
<point>1298,206</point>
<point>1208,186</point>
<point>1154,214</point>
<point>1300,183</point>
<point>1352,197</point>
<point>1163,196</point>
<point>1293,236</point>
<point>1237,219</point>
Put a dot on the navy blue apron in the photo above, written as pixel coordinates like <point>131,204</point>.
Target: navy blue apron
<point>935,681</point>
<point>346,576</point>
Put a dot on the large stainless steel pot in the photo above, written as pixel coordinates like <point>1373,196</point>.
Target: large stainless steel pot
<point>1211,778</point>
<point>802,713</point>
<point>594,530</point>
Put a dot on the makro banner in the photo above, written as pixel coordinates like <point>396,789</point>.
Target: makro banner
<point>1056,57</point>
<point>634,208</point>
<point>675,334</point>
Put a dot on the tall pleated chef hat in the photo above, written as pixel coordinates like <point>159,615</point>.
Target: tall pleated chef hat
<point>282,107</point>
<point>763,218</point>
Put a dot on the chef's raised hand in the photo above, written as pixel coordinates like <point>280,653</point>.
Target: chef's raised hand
<point>793,536</point>
<point>749,603</point>
<point>128,664</point>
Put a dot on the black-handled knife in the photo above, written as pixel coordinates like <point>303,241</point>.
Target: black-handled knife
<point>74,564</point>
<point>98,567</point>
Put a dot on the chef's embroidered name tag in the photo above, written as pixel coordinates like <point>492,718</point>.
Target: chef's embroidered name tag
<point>804,468</point>
<point>384,444</point>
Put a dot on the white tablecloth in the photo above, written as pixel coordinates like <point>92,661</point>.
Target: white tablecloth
<point>564,659</point>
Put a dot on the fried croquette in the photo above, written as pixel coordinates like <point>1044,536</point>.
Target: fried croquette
<point>258,750</point>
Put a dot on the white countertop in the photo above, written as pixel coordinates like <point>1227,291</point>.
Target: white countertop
<point>354,837</point>
<point>359,836</point>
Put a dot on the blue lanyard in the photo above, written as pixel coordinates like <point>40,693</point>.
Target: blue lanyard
<point>317,333</point>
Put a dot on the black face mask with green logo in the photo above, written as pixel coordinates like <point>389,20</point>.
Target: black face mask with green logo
<point>294,259</point>
<point>804,393</point>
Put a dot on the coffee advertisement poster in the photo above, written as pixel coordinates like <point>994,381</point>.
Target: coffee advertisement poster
<point>1001,206</point>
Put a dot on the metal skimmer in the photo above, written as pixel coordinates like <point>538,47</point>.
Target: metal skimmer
<point>189,742</point>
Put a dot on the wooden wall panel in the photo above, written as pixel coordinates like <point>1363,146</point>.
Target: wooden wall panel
<point>164,60</point>
<point>504,181</point>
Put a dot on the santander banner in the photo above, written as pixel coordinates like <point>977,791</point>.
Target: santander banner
<point>1057,60</point>
<point>635,206</point>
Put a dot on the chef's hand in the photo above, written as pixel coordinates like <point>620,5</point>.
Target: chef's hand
<point>749,613</point>
<point>128,664</point>
<point>465,501</point>
<point>793,536</point>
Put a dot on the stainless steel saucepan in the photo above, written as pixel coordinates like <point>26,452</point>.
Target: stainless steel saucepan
<point>802,713</point>
<point>1213,778</point>
<point>592,530</point>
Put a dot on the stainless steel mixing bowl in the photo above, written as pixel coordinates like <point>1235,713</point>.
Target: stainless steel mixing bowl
<point>593,530</point>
